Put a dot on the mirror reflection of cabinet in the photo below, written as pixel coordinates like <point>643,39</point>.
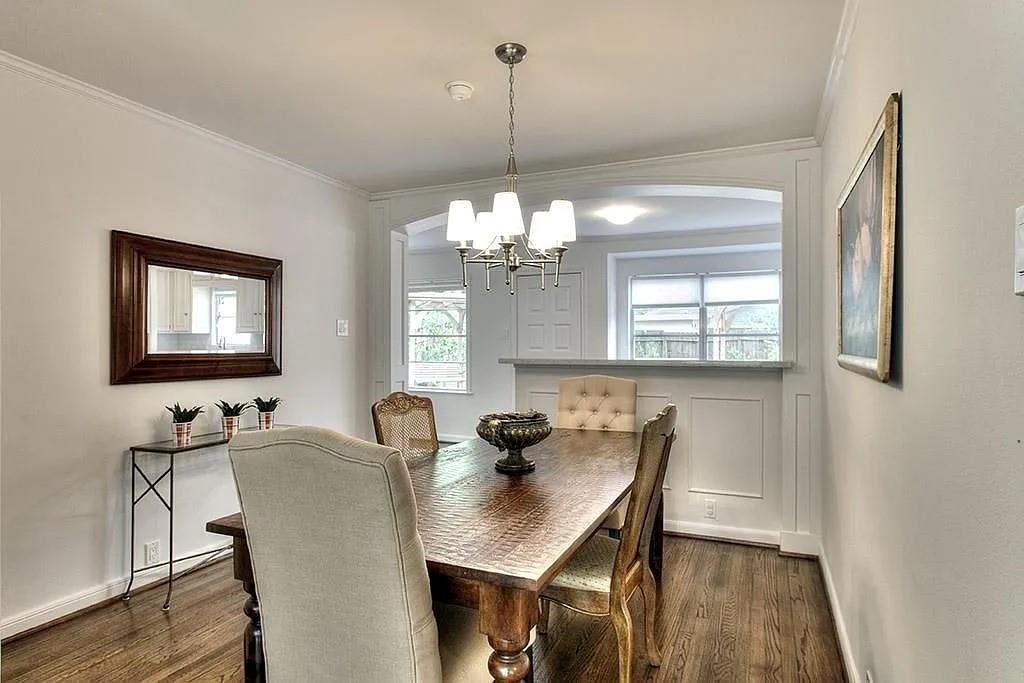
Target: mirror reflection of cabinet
<point>170,300</point>
<point>251,302</point>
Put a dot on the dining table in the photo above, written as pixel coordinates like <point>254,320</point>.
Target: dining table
<point>493,541</point>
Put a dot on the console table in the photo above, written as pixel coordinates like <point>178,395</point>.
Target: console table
<point>168,449</point>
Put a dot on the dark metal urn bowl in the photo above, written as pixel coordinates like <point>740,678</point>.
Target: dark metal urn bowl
<point>513,432</point>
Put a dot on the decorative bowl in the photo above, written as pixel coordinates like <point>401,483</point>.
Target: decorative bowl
<point>513,432</point>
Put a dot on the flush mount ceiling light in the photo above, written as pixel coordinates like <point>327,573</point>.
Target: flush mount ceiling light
<point>620,214</point>
<point>498,237</point>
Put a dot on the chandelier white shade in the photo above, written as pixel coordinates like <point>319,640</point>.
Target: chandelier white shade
<point>461,223</point>
<point>484,239</point>
<point>498,236</point>
<point>563,218</point>
<point>508,217</point>
<point>542,231</point>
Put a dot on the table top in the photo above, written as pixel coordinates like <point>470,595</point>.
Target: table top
<point>512,530</point>
<point>198,441</point>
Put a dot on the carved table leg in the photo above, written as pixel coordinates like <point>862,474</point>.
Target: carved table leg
<point>255,667</point>
<point>506,617</point>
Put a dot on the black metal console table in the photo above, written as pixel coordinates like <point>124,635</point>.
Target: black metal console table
<point>168,449</point>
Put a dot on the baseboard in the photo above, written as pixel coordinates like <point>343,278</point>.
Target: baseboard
<point>794,543</point>
<point>54,611</point>
<point>723,533</point>
<point>849,663</point>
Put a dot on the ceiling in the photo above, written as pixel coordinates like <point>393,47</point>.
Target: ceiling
<point>355,90</point>
<point>662,215</point>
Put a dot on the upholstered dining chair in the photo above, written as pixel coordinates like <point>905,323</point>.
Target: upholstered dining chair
<point>605,572</point>
<point>339,567</point>
<point>599,402</point>
<point>406,422</point>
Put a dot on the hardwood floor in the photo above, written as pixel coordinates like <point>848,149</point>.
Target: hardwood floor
<point>728,613</point>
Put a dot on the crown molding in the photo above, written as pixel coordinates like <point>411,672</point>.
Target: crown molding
<point>795,144</point>
<point>69,84</point>
<point>835,69</point>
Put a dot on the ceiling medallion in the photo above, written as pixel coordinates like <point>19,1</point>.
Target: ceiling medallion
<point>497,238</point>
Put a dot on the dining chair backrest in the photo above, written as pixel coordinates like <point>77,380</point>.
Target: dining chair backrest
<point>337,558</point>
<point>655,446</point>
<point>406,422</point>
<point>597,402</point>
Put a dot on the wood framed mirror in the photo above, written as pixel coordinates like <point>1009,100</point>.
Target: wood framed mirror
<point>184,312</point>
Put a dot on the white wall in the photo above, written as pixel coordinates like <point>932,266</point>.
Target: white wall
<point>75,164</point>
<point>923,478</point>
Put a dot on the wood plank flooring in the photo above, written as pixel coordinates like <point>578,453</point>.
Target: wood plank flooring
<point>728,613</point>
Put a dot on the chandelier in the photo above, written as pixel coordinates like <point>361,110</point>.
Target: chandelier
<point>497,238</point>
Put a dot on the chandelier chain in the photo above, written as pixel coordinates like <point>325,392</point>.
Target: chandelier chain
<point>511,110</point>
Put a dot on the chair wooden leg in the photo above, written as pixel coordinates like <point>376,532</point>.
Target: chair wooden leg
<point>542,616</point>
<point>624,633</point>
<point>649,588</point>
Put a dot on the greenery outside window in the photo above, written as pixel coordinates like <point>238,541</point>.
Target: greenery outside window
<point>706,316</point>
<point>438,346</point>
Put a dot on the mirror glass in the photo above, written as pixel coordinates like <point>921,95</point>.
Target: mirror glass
<point>190,311</point>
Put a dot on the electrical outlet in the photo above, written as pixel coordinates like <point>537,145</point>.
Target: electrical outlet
<point>710,508</point>
<point>341,328</point>
<point>152,552</point>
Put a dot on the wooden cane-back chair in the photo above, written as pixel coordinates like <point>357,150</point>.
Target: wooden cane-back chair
<point>605,572</point>
<point>406,422</point>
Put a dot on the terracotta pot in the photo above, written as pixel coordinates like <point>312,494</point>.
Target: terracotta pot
<point>266,420</point>
<point>182,433</point>
<point>230,424</point>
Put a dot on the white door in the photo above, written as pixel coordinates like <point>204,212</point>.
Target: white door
<point>549,322</point>
<point>399,311</point>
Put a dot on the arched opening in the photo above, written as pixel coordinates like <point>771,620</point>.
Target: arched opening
<point>685,272</point>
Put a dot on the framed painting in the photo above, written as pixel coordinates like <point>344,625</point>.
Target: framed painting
<point>866,237</point>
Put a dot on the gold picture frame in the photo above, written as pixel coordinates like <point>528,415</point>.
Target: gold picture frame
<point>865,251</point>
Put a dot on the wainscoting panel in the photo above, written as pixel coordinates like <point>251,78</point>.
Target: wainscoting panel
<point>546,402</point>
<point>728,442</point>
<point>727,446</point>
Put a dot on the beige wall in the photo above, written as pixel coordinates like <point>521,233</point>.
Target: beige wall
<point>923,486</point>
<point>73,166</point>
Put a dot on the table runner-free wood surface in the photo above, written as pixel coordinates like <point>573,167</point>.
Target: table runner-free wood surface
<point>493,541</point>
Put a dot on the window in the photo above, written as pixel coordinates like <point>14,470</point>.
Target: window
<point>437,338</point>
<point>717,316</point>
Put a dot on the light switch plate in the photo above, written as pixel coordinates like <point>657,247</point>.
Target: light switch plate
<point>1018,249</point>
<point>341,328</point>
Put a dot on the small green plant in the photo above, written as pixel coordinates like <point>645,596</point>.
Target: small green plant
<point>181,415</point>
<point>267,406</point>
<point>233,409</point>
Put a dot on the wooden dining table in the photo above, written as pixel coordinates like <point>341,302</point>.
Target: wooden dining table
<point>494,541</point>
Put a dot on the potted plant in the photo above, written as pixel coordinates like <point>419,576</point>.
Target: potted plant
<point>182,419</point>
<point>266,408</point>
<point>231,414</point>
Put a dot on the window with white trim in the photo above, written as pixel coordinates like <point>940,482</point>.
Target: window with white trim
<point>438,323</point>
<point>705,316</point>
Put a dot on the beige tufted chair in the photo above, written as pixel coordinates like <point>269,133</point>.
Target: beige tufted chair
<point>339,566</point>
<point>599,402</point>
